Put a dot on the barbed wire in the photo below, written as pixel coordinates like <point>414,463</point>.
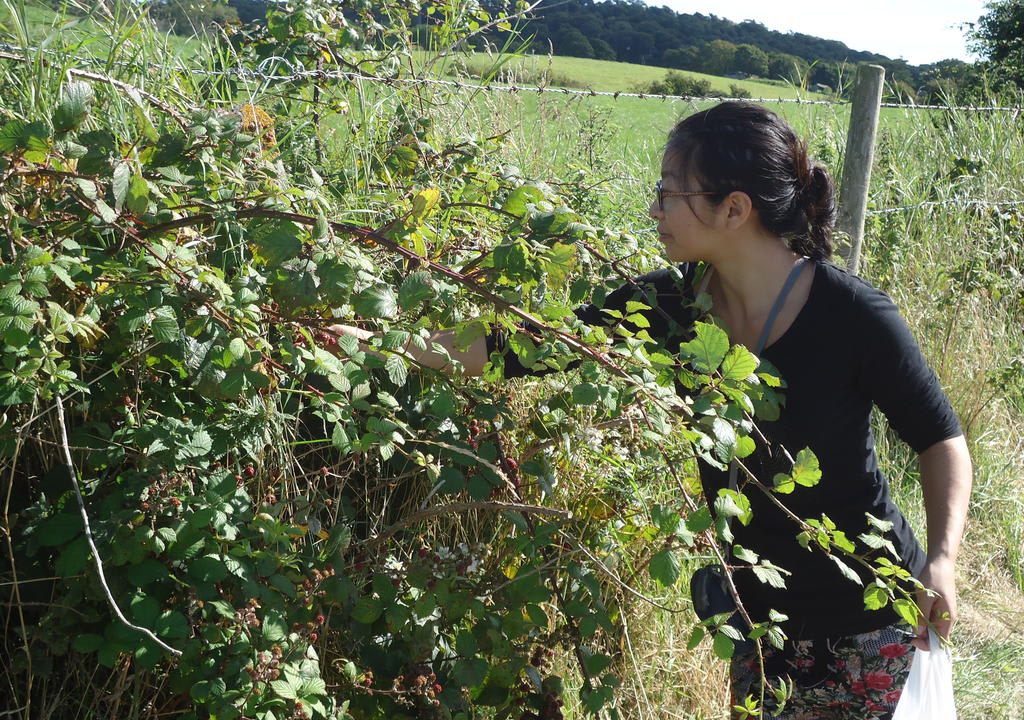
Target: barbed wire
<point>957,201</point>
<point>988,108</point>
<point>259,74</point>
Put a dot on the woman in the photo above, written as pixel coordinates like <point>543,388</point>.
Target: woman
<point>738,193</point>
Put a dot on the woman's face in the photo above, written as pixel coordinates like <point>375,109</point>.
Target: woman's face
<point>686,236</point>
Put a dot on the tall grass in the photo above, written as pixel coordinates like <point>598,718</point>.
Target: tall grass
<point>955,271</point>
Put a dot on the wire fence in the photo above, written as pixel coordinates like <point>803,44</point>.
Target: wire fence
<point>966,202</point>
<point>260,74</point>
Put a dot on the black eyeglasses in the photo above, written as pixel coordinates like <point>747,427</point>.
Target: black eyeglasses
<point>662,194</point>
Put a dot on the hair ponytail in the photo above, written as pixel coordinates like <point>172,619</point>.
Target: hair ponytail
<point>814,215</point>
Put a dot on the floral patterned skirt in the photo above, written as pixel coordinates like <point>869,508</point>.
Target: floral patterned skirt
<point>859,677</point>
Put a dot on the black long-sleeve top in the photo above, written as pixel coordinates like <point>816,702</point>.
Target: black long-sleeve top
<point>847,350</point>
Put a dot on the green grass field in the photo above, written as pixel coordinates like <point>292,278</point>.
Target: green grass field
<point>953,270</point>
<point>607,76</point>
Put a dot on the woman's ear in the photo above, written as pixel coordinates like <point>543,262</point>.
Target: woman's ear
<point>737,208</point>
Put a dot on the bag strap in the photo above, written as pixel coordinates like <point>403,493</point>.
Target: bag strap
<point>773,314</point>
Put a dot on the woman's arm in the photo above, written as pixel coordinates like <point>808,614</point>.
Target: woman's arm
<point>946,485</point>
<point>664,297</point>
<point>472,358</point>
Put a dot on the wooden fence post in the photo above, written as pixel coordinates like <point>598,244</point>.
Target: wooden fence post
<point>860,152</point>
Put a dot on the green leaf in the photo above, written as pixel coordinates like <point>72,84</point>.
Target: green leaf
<point>276,241</point>
<point>198,445</point>
<point>744,446</point>
<point>119,185</point>
<point>806,470</point>
<point>164,325</point>
<point>340,439</point>
<point>665,567</point>
<point>376,302</point>
<point>708,348</point>
<point>723,646</point>
<point>73,558</point>
<point>208,689</point>
<point>172,624</point>
<point>58,529</point>
<point>10,135</point>
<point>883,525</point>
<point>907,609</point>
<point>19,135</point>
<point>137,199</point>
<point>731,503</point>
<point>696,636</point>
<point>585,394</point>
<point>286,688</point>
<point>275,627</point>
<point>402,159</point>
<point>846,570</point>
<point>518,199</point>
<point>770,574</point>
<point>783,483</point>
<point>744,554</point>
<point>367,610</point>
<point>208,569</point>
<point>416,288</point>
<point>76,99</point>
<point>738,364</point>
<point>699,520</point>
<point>725,439</point>
<point>422,203</point>
<point>470,672</point>
<point>398,371</point>
<point>105,212</point>
<point>875,597</point>
<point>87,643</point>
<point>312,686</point>
<point>597,663</point>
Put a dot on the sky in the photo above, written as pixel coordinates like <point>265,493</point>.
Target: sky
<point>919,31</point>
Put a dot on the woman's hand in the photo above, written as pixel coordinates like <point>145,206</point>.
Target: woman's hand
<point>471,359</point>
<point>938,608</point>
<point>357,333</point>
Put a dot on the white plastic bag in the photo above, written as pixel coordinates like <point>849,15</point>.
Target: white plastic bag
<point>928,694</point>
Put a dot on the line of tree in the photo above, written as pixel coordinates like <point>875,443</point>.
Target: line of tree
<point>631,31</point>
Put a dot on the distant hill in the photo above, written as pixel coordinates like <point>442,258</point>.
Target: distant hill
<point>631,31</point>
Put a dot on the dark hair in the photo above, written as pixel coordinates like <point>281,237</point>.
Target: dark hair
<point>746,147</point>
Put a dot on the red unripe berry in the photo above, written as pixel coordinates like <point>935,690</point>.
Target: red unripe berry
<point>250,471</point>
<point>313,637</point>
<point>175,502</point>
<point>320,619</point>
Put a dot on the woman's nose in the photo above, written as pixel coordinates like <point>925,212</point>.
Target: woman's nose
<point>654,211</point>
